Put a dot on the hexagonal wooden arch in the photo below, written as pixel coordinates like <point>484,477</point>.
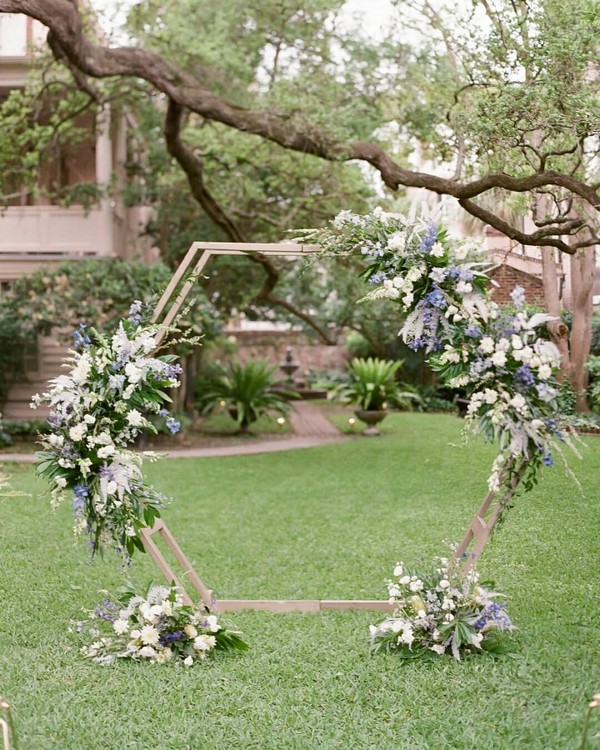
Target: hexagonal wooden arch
<point>171,302</point>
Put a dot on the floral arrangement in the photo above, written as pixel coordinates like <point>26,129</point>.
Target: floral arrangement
<point>157,627</point>
<point>440,611</point>
<point>504,360</point>
<point>97,410</point>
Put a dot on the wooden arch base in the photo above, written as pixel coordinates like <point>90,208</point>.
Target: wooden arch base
<point>171,302</point>
<point>236,605</point>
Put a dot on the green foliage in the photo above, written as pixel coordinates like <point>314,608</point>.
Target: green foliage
<point>593,394</point>
<point>98,292</point>
<point>372,384</point>
<point>246,391</point>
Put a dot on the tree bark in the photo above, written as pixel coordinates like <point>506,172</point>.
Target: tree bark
<point>72,44</point>
<point>559,332</point>
<point>583,268</point>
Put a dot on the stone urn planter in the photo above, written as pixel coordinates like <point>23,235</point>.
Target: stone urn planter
<point>371,417</point>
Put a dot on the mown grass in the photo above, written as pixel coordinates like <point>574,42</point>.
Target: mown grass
<point>323,522</point>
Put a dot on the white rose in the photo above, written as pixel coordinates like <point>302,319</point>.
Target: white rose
<point>499,359</point>
<point>444,584</point>
<point>89,419</point>
<point>190,631</point>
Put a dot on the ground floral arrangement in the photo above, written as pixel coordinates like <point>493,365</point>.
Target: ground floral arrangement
<point>157,627</point>
<point>507,366</point>
<point>97,410</point>
<point>440,611</point>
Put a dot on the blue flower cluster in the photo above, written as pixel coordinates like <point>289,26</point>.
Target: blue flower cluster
<point>494,613</point>
<point>81,339</point>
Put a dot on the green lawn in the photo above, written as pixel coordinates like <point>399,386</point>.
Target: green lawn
<point>325,522</point>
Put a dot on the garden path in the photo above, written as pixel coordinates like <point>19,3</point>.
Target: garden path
<point>310,428</point>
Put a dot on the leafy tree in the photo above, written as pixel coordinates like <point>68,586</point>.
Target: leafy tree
<point>504,91</point>
<point>93,292</point>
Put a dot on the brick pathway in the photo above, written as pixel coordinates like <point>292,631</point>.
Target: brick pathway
<point>310,428</point>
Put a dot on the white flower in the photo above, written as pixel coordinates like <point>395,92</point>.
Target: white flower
<point>438,649</point>
<point>416,585</point>
<point>212,624</point>
<point>204,642</point>
<point>80,373</point>
<point>404,581</point>
<point>135,634</point>
<point>476,639</point>
<point>394,591</point>
<point>449,617</point>
<point>487,345</point>
<point>396,241</point>
<point>188,661</point>
<point>463,287</point>
<point>499,359</point>
<point>135,418</point>
<point>516,341</point>
<point>76,433</point>
<point>89,419</point>
<point>108,450</point>
<point>398,570</point>
<point>61,482</point>
<point>490,396</point>
<point>190,631</point>
<point>437,250</point>
<point>415,273</point>
<point>444,584</point>
<point>149,635</point>
<point>147,652</point>
<point>134,373</point>
<point>544,372</point>
<point>518,402</point>
<point>120,626</point>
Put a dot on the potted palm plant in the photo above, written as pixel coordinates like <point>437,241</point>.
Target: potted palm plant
<point>246,391</point>
<point>372,387</point>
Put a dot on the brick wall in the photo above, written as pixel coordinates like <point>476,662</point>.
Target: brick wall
<point>508,278</point>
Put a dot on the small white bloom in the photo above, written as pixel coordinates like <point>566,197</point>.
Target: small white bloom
<point>518,402</point>
<point>398,570</point>
<point>89,419</point>
<point>487,345</point>
<point>149,635</point>
<point>212,624</point>
<point>134,373</point>
<point>439,649</point>
<point>77,432</point>
<point>108,450</point>
<point>463,288</point>
<point>397,241</point>
<point>437,250</point>
<point>135,634</point>
<point>190,631</point>
<point>204,642</point>
<point>61,482</point>
<point>544,372</point>
<point>499,359</point>
<point>444,584</point>
<point>147,652</point>
<point>188,661</point>
<point>449,617</point>
<point>404,581</point>
<point>416,585</point>
<point>516,341</point>
<point>135,418</point>
<point>120,626</point>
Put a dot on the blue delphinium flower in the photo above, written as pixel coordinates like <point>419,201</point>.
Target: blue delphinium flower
<point>135,313</point>
<point>173,425</point>
<point>524,378</point>
<point>81,340</point>
<point>518,297</point>
<point>429,240</point>
<point>436,298</point>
